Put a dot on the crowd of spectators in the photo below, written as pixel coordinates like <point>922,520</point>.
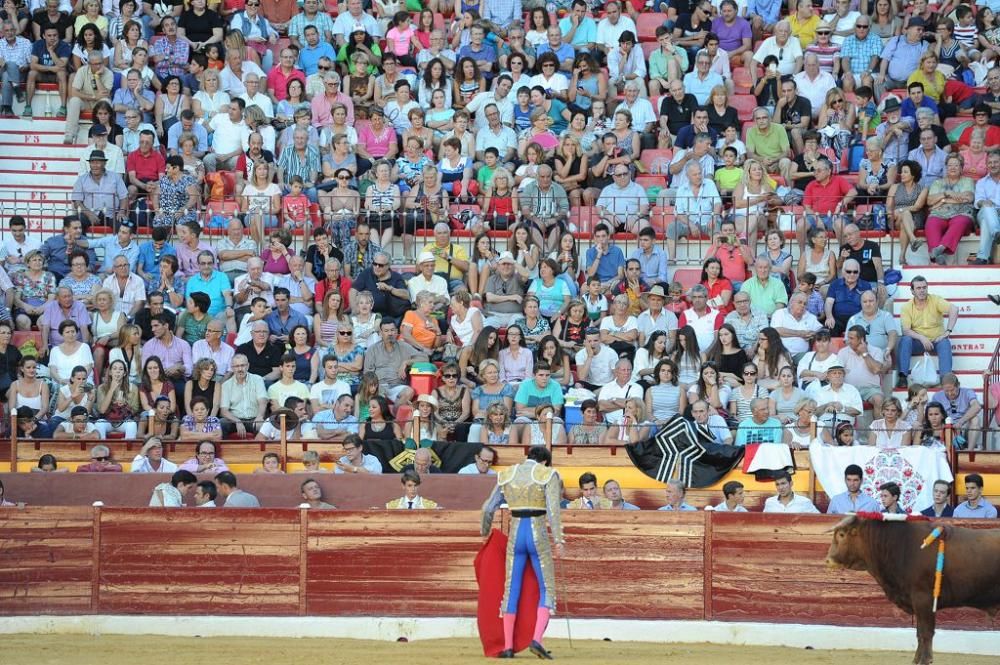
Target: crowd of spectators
<point>368,124</point>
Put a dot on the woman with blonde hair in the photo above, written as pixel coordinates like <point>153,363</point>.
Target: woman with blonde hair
<point>631,428</point>
<point>117,402</point>
<point>538,134</point>
<point>499,203</point>
<point>106,323</point>
<point>571,168</point>
<point>750,201</point>
<point>496,428</point>
<point>327,319</point>
<point>838,115</point>
<point>210,100</point>
<point>128,349</point>
<point>203,384</point>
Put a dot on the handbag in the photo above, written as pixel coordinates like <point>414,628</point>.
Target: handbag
<point>925,371</point>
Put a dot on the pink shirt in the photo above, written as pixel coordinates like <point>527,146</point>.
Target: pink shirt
<point>400,39</point>
<point>277,81</point>
<point>376,147</point>
<point>321,109</point>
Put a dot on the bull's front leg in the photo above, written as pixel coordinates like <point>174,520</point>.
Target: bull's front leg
<point>925,632</point>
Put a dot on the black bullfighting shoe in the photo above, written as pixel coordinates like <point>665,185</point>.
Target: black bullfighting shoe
<point>539,651</point>
<point>506,653</point>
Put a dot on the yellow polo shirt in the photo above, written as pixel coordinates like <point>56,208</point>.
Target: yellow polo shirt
<point>928,321</point>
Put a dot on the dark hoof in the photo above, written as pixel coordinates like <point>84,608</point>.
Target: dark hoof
<point>506,653</point>
<point>539,651</point>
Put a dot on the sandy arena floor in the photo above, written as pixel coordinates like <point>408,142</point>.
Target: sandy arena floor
<point>149,650</point>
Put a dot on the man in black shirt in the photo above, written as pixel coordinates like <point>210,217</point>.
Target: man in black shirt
<point>200,26</point>
<point>691,29</point>
<point>388,288</point>
<point>676,109</point>
<point>793,111</point>
<point>868,255</point>
<point>264,357</point>
<point>144,317</point>
<point>699,125</point>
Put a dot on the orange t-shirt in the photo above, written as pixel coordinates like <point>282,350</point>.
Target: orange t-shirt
<point>424,335</point>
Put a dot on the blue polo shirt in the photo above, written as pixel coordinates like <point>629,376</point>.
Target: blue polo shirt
<point>214,287</point>
<point>309,56</point>
<point>608,267</point>
<point>846,301</point>
<point>586,32</point>
<point>564,52</point>
<point>149,258</point>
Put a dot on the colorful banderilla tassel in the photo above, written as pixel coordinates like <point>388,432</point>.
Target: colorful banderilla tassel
<point>931,537</point>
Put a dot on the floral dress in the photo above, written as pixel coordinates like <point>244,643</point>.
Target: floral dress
<point>840,140</point>
<point>81,287</point>
<point>210,425</point>
<point>34,292</point>
<point>352,379</point>
<point>174,199</point>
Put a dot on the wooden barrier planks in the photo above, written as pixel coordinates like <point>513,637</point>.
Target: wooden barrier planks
<point>191,561</point>
<point>46,557</point>
<point>635,565</point>
<point>773,567</point>
<point>392,563</point>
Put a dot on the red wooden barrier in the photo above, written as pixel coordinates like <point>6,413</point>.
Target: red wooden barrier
<point>286,562</point>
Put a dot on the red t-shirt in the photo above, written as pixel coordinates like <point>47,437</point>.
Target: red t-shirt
<point>147,168</point>
<point>277,81</point>
<point>992,136</point>
<point>823,199</point>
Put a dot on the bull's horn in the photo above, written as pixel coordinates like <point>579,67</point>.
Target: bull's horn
<point>848,519</point>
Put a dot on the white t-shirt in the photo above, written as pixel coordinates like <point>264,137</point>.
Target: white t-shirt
<point>608,323</point>
<point>809,362</point>
<point>782,318</point>
<point>614,391</point>
<point>259,200</point>
<point>327,393</point>
<point>602,368</point>
<point>786,54</point>
<point>463,329</point>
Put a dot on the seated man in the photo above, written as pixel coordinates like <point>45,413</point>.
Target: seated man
<point>79,427</point>
<point>324,394</point>
<point>451,260</point>
<point>733,498</point>
<point>974,504</point>
<point>796,326</point>
<point>767,292</point>
<point>541,390</point>
<point>826,199</point>
<point>865,366</point>
<point>613,397</point>
<point>964,409</point>
<point>312,494</point>
<point>675,492</point>
<point>707,417</point>
<point>482,461</point>
<point>623,204</point>
<point>244,399</point>
<point>941,507</point>
<point>411,499</point>
<point>604,260</point>
<point>760,427</point>
<point>613,493</point>
<point>853,500</point>
<point>843,298</point>
<point>787,501</point>
<point>355,460</point>
<point>423,462</point>
<point>589,499</point>
<point>767,142</point>
<point>390,359</point>
<point>595,362</point>
<point>836,401</point>
<point>338,423</point>
<point>924,329</point>
<point>545,208</point>
<point>100,455</point>
<point>504,291</point>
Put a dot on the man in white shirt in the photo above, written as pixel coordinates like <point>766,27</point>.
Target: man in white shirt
<point>703,319</point>
<point>254,97</point>
<point>484,459</point>
<point>788,51</point>
<point>707,417</point>
<point>495,134</point>
<point>657,318</point>
<point>644,119</point>
<point>987,200</point>
<point>324,394</point>
<point>813,366</point>
<point>615,394</point>
<point>733,498</point>
<point>595,362</point>
<point>623,204</point>
<point>814,83</point>
<point>796,326</point>
<point>355,17</point>
<point>17,244</point>
<point>231,132</point>
<point>787,501</point>
<point>426,280</point>
<point>611,27</point>
<point>837,401</point>
<point>496,97</point>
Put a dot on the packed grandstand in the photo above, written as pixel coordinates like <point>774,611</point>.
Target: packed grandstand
<point>390,226</point>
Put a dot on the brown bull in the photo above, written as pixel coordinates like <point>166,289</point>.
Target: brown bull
<point>890,552</point>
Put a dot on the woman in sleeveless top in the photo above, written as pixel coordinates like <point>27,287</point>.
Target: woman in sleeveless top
<point>890,431</point>
<point>499,203</point>
<point>906,204</point>
<point>454,404</point>
<point>741,398</point>
<point>204,385</point>
<point>383,201</point>
<point>29,390</point>
<point>785,397</point>
<point>665,398</point>
<point>818,258</point>
<point>380,424</point>
<point>426,205</point>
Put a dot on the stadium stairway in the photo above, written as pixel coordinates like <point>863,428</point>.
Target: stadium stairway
<point>978,331</point>
<point>37,172</point>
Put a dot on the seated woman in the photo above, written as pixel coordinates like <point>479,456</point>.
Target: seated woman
<point>420,329</point>
<point>875,177</point>
<point>550,352</point>
<point>454,404</point>
<point>380,423</point>
<point>199,425</point>
<point>496,429</point>
<point>154,384</point>
<point>117,402</point>
<point>632,429</point>
<point>890,431</point>
<point>205,460</point>
<point>161,421</point>
<point>69,355</point>
<point>77,392</point>
<point>950,201</point>
<point>203,384</point>
<point>547,429</point>
<point>431,427</point>
<point>591,431</point>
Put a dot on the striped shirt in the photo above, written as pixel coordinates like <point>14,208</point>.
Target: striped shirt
<point>827,55</point>
<point>292,165</point>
